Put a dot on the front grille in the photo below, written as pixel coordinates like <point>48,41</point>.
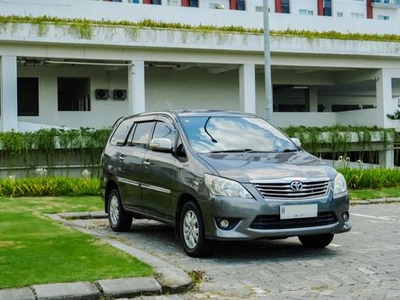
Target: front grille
<point>267,222</point>
<point>284,190</point>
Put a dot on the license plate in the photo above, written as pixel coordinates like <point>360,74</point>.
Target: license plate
<point>298,211</point>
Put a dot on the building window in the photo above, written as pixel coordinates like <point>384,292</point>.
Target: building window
<point>327,8</point>
<point>28,96</point>
<point>194,3</point>
<point>380,17</point>
<point>73,94</point>
<point>306,12</point>
<point>357,16</point>
<point>174,2</point>
<point>241,5</point>
<point>285,7</point>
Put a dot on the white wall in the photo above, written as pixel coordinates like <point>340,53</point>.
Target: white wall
<point>103,113</point>
<point>194,88</point>
<point>211,3</point>
<point>349,7</point>
<point>393,14</point>
<point>286,119</point>
<point>308,5</point>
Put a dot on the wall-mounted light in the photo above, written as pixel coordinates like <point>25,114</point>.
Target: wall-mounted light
<point>375,78</point>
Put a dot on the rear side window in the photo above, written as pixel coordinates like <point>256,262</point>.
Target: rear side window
<point>119,136</point>
<point>141,134</point>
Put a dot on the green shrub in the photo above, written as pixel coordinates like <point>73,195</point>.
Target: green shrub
<point>49,186</point>
<point>376,178</point>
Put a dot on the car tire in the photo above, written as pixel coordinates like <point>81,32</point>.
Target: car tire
<point>118,219</point>
<point>316,241</point>
<point>191,229</point>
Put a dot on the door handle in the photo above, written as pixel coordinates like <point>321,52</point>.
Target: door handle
<point>121,157</point>
<point>146,163</point>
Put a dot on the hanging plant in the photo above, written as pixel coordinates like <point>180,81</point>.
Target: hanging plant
<point>338,139</point>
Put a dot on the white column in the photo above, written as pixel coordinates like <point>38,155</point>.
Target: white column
<point>384,102</point>
<point>136,84</point>
<point>8,93</point>
<point>313,99</point>
<point>247,88</point>
<point>385,105</point>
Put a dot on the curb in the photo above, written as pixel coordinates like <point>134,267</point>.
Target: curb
<point>102,289</point>
<point>169,279</point>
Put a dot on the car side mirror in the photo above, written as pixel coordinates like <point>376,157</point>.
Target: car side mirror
<point>161,145</point>
<point>296,141</point>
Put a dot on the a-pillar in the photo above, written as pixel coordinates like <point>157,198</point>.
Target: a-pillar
<point>385,105</point>
<point>247,88</point>
<point>8,93</point>
<point>136,85</point>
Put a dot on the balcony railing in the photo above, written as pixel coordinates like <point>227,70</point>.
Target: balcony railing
<point>395,4</point>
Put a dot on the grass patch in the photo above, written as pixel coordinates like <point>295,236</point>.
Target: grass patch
<point>366,194</point>
<point>35,249</point>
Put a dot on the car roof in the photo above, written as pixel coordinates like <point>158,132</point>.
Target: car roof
<point>210,112</point>
<point>188,113</point>
<point>194,112</point>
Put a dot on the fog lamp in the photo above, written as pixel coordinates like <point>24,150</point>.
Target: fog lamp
<point>346,216</point>
<point>224,223</point>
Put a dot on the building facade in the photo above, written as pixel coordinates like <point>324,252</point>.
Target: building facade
<point>57,73</point>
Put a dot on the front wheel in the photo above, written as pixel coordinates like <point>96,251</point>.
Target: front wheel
<point>191,229</point>
<point>316,241</point>
<point>117,217</point>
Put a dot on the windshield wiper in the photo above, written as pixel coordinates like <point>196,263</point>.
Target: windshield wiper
<point>290,150</point>
<point>206,131</point>
<point>233,151</point>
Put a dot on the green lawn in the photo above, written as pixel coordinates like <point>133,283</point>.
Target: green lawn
<point>365,194</point>
<point>35,249</point>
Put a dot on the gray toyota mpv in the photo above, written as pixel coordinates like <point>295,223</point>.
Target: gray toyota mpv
<point>219,176</point>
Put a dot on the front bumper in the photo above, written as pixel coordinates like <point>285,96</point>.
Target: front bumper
<point>260,218</point>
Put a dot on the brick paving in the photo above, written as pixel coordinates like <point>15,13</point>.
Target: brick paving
<point>361,264</point>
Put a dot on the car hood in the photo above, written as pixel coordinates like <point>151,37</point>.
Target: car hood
<point>245,167</point>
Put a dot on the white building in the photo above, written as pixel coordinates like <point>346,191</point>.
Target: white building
<point>57,73</point>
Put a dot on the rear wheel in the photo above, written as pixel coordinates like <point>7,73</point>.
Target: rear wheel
<point>118,218</point>
<point>191,229</point>
<point>316,241</point>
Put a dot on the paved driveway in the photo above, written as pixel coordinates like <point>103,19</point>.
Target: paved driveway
<point>361,264</point>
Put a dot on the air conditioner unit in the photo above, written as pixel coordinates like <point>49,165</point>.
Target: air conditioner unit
<point>119,94</point>
<point>102,94</point>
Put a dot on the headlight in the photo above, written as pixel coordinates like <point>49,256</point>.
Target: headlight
<point>225,187</point>
<point>340,185</point>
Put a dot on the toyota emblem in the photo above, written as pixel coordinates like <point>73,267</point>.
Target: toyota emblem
<point>296,185</point>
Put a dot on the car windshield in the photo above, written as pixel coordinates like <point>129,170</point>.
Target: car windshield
<point>234,134</point>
